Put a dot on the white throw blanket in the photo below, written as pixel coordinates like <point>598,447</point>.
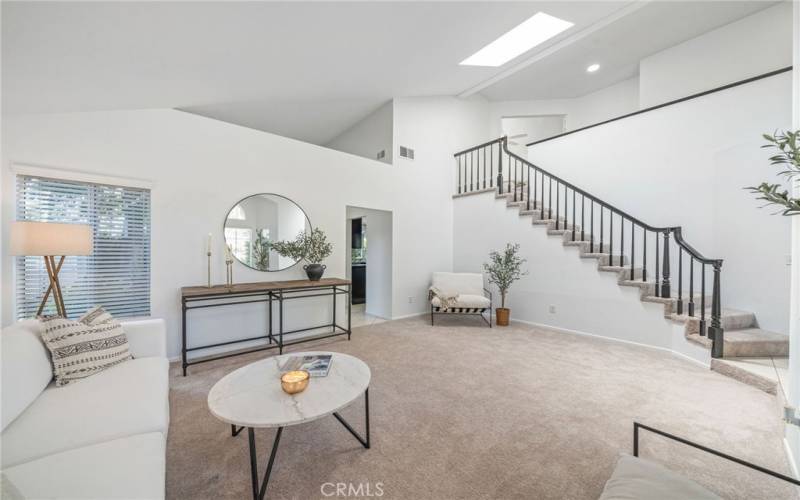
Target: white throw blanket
<point>445,301</point>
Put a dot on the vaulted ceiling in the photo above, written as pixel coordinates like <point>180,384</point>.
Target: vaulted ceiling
<point>311,70</point>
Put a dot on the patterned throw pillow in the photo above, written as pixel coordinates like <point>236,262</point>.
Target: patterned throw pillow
<point>84,347</point>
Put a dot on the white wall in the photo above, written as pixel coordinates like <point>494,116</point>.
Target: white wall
<point>686,165</point>
<point>435,127</point>
<point>615,100</point>
<point>585,300</point>
<point>369,136</point>
<point>748,47</point>
<point>199,167</point>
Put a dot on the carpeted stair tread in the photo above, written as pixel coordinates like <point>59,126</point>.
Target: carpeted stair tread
<point>755,342</point>
<point>745,376</point>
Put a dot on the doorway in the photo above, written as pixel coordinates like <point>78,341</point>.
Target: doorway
<point>369,264</point>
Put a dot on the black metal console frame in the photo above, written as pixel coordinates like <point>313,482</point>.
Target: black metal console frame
<point>259,490</point>
<point>275,339</point>
<point>637,426</point>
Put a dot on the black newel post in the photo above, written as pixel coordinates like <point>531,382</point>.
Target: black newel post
<point>716,332</point>
<point>500,167</point>
<point>665,285</point>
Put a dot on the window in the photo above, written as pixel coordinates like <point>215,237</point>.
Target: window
<point>239,239</point>
<point>117,274</point>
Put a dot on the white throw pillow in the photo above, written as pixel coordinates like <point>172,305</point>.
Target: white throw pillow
<point>84,347</point>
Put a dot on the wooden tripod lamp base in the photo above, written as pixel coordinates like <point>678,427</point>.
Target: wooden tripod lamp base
<point>49,240</point>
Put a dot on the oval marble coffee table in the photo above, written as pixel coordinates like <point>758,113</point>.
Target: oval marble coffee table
<point>251,397</point>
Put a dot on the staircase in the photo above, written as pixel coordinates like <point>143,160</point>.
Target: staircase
<point>584,221</point>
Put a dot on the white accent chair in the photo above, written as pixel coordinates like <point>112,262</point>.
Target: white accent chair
<point>471,296</point>
<point>100,437</point>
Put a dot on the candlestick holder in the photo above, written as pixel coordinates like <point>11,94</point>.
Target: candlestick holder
<point>229,272</point>
<point>209,268</point>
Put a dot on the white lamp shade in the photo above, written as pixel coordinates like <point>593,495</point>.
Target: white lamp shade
<point>50,238</point>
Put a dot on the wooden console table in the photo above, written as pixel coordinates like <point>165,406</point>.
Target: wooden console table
<point>198,297</point>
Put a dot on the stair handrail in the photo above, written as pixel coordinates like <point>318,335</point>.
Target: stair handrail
<point>662,283</point>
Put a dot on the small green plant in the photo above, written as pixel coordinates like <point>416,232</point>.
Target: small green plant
<point>313,247</point>
<point>787,157</point>
<point>504,268</point>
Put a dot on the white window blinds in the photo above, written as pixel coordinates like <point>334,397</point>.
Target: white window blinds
<point>116,275</point>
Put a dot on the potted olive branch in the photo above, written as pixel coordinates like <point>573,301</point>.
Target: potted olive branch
<point>787,157</point>
<point>313,247</point>
<point>504,268</point>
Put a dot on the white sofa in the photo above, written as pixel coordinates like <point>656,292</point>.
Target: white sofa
<point>470,295</point>
<point>100,437</point>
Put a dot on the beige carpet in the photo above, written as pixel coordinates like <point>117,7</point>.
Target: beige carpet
<point>462,411</point>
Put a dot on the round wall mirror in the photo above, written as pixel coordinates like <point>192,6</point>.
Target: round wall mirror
<point>258,221</point>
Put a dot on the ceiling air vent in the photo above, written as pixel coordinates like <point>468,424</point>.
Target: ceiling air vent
<point>406,153</point>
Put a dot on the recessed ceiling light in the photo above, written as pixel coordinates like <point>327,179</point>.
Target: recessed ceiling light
<point>529,34</point>
<point>592,68</point>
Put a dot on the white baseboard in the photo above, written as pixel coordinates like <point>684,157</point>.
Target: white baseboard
<point>587,334</point>
<point>790,458</point>
<point>410,315</point>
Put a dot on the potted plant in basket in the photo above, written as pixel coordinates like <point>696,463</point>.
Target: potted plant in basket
<point>504,268</point>
<point>313,247</point>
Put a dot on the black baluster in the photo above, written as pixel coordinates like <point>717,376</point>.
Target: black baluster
<point>510,170</point>
<point>601,228</point>
<point>529,186</point>
<point>633,250</point>
<point>610,237</point>
<point>459,175</point>
<point>558,203</point>
<point>573,215</point>
<point>591,223</point>
<point>500,168</point>
<point>680,280</point>
<point>583,213</point>
<point>472,171</point>
<point>566,210</point>
<point>550,198</point>
<point>716,333</point>
<point>516,178</point>
<point>658,262</point>
<point>703,299</point>
<point>484,168</point>
<point>621,239</point>
<point>691,285</point>
<point>644,254</point>
<point>491,164</point>
<point>666,292</point>
<point>534,187</point>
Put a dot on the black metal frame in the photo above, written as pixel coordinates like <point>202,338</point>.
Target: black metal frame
<point>437,310</point>
<point>275,339</point>
<point>260,489</point>
<point>637,426</point>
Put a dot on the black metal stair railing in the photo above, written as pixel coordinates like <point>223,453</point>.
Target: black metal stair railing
<point>583,217</point>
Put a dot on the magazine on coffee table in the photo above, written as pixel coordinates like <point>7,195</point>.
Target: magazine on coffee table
<point>317,365</point>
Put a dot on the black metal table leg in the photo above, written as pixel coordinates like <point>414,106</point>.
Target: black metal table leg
<point>349,308</point>
<point>364,442</point>
<point>280,323</point>
<point>234,431</point>
<point>183,336</point>
<point>269,317</point>
<point>260,491</point>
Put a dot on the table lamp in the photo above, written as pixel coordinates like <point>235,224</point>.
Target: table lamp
<point>50,239</point>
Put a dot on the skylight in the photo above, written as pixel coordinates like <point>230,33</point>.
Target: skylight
<point>529,34</point>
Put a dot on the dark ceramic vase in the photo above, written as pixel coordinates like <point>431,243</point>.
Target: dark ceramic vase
<point>314,271</point>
